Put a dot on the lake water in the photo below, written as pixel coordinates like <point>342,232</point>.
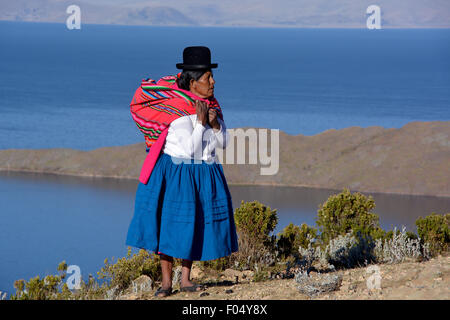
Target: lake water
<point>72,88</point>
<point>46,219</point>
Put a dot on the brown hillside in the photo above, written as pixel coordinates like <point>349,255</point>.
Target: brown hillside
<point>414,159</point>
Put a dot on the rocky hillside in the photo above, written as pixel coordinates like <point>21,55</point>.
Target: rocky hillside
<point>414,159</point>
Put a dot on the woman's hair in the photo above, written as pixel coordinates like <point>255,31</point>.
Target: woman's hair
<point>185,78</point>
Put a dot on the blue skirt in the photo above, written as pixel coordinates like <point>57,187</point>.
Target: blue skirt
<point>184,211</point>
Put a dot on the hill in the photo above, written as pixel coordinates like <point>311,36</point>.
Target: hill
<point>413,159</point>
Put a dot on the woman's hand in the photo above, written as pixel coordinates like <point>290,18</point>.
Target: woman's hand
<point>202,111</point>
<point>212,119</point>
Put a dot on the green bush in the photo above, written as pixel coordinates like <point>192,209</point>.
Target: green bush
<point>256,220</point>
<point>434,230</point>
<point>37,288</point>
<point>255,223</point>
<point>292,237</point>
<point>126,269</point>
<point>218,264</point>
<point>346,212</point>
<point>117,276</point>
<point>260,275</point>
<point>52,287</point>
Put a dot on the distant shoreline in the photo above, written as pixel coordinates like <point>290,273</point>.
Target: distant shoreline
<point>411,160</point>
<point>362,27</point>
<point>229,183</point>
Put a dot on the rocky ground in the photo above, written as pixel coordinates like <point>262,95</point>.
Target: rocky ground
<point>408,280</point>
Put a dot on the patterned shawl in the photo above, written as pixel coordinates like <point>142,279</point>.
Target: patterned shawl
<point>154,106</point>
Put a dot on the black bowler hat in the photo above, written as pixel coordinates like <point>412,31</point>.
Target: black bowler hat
<point>196,58</point>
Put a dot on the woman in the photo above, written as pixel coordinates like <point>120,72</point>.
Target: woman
<point>184,210</point>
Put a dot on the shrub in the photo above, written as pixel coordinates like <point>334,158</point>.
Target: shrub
<point>217,264</point>
<point>52,287</point>
<point>349,251</point>
<point>37,288</point>
<point>434,230</point>
<point>292,237</point>
<point>260,275</point>
<point>389,235</point>
<point>400,247</point>
<point>120,274</point>
<point>345,251</point>
<point>252,253</point>
<point>310,255</point>
<point>346,212</point>
<point>117,277</point>
<point>254,224</point>
<point>256,220</point>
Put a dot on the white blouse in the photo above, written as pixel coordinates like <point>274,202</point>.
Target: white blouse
<point>188,138</point>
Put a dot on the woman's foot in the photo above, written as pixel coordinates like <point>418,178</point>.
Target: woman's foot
<point>189,286</point>
<point>186,285</point>
<point>163,292</point>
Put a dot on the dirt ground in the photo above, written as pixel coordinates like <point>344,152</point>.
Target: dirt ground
<point>408,280</point>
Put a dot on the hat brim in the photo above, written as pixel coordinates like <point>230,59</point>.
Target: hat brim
<point>196,66</point>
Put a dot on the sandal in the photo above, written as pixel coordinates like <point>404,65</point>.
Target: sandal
<point>166,292</point>
<point>192,288</point>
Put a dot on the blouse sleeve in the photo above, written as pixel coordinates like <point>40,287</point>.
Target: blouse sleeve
<point>222,136</point>
<point>189,135</point>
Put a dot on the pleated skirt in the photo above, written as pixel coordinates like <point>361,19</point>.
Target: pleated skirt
<point>184,211</point>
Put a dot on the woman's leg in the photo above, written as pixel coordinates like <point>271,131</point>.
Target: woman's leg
<point>166,268</point>
<point>186,274</point>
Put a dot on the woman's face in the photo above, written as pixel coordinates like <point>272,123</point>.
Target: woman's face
<point>204,86</point>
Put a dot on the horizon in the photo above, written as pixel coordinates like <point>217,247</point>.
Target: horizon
<point>231,27</point>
